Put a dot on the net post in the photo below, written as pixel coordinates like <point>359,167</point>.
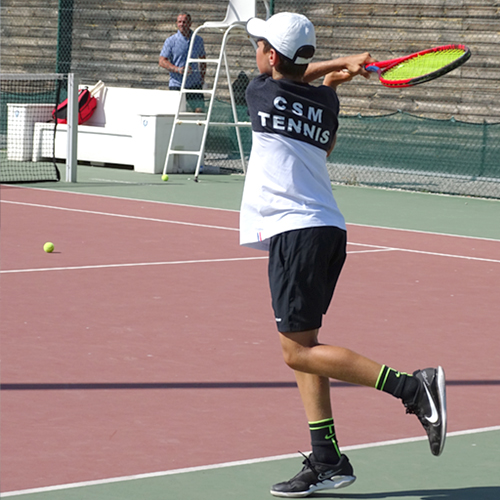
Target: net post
<point>64,36</point>
<point>72,142</point>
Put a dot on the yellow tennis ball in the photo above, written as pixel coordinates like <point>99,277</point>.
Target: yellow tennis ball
<point>48,247</point>
<point>164,177</point>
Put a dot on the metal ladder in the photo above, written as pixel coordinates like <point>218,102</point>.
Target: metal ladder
<point>183,119</point>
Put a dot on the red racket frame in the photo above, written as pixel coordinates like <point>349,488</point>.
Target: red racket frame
<point>382,66</point>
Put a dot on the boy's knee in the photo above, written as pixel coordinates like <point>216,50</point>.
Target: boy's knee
<point>292,356</point>
<point>296,347</point>
<point>288,358</point>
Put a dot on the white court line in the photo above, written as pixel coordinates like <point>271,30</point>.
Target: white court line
<point>139,200</point>
<point>423,252</point>
<point>420,231</point>
<point>136,264</point>
<point>121,216</point>
<point>236,259</point>
<point>231,464</point>
<point>208,226</point>
<point>369,251</point>
<point>233,259</point>
<point>78,193</point>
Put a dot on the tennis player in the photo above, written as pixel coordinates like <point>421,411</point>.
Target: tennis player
<point>289,210</point>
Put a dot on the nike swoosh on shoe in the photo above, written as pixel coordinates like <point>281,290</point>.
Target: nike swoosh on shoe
<point>434,417</point>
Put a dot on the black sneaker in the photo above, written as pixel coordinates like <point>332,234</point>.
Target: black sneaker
<point>429,405</point>
<point>316,476</point>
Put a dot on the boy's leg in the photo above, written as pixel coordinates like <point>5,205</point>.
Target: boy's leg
<point>315,394</point>
<point>314,389</point>
<point>325,468</point>
<point>303,353</point>
<point>423,393</point>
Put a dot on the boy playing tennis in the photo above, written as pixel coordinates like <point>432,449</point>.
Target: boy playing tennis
<point>288,208</point>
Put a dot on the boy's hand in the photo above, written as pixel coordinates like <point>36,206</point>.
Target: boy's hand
<point>352,66</point>
<point>355,65</point>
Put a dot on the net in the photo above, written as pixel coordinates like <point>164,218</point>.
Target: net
<point>27,130</point>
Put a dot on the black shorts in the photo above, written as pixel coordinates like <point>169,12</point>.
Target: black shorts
<point>304,266</point>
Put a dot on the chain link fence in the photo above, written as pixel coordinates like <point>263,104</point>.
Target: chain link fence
<point>442,136</point>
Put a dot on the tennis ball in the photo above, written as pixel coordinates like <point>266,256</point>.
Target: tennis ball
<point>164,177</point>
<point>48,247</point>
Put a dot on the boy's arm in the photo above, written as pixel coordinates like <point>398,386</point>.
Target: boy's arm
<point>340,70</point>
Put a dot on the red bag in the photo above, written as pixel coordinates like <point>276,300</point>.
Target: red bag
<point>86,107</point>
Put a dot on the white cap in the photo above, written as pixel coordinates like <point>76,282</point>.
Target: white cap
<point>290,34</point>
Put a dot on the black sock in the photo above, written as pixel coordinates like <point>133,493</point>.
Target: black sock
<point>401,385</point>
<point>324,442</point>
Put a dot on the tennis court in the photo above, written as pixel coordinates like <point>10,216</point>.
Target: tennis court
<point>140,359</point>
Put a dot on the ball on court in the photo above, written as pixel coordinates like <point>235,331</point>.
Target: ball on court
<point>164,177</point>
<point>48,247</point>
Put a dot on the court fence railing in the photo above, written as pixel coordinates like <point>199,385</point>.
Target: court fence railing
<point>395,151</point>
<point>441,136</point>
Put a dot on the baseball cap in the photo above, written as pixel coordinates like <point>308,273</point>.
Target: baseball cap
<point>290,34</point>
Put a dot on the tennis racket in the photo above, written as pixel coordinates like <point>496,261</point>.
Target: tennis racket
<point>421,66</point>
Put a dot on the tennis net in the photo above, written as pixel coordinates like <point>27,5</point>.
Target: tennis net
<point>27,129</point>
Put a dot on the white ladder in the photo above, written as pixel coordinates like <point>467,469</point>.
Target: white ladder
<point>182,119</point>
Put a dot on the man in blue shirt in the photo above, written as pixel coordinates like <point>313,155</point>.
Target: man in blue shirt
<point>173,58</point>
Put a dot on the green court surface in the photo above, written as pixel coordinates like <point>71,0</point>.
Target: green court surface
<point>375,207</point>
<point>467,470</point>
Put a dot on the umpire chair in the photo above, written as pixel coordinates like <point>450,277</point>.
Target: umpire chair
<point>233,26</point>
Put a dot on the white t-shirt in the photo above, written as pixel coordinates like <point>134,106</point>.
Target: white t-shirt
<point>287,185</point>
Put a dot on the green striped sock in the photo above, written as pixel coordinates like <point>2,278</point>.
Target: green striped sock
<point>324,441</point>
<point>401,385</point>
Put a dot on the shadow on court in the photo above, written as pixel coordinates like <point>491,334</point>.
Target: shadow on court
<point>196,385</point>
<point>473,493</point>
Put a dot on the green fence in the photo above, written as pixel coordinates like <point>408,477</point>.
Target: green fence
<point>444,131</point>
<point>407,152</point>
<point>398,151</point>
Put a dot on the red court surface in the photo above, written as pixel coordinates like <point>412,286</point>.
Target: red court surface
<point>146,341</point>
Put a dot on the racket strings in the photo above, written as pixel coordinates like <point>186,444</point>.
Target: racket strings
<point>423,64</point>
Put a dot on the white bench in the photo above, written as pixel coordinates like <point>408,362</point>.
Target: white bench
<point>21,119</point>
<point>130,127</point>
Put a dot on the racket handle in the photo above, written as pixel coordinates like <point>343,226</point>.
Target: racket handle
<point>372,67</point>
